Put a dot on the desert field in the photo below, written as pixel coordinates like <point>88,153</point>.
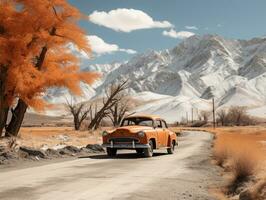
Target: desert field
<point>235,137</point>
<point>241,152</point>
<point>38,137</point>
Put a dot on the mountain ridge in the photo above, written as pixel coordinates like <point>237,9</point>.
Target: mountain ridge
<point>199,68</point>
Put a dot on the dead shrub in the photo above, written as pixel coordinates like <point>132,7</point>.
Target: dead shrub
<point>221,151</point>
<point>243,168</point>
<point>259,190</point>
<point>241,154</point>
<point>12,143</point>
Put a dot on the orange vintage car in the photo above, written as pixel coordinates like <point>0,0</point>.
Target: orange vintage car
<point>143,133</point>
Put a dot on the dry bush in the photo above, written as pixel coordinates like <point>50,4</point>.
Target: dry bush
<point>222,117</point>
<point>235,115</point>
<point>243,166</point>
<point>242,152</point>
<point>259,191</point>
<point>220,153</point>
<point>12,143</point>
<point>256,192</point>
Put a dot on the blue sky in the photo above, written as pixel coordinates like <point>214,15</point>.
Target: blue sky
<point>239,19</point>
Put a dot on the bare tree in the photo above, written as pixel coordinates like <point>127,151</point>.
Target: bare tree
<point>78,112</point>
<point>119,111</point>
<point>112,97</point>
<point>222,117</point>
<point>237,115</point>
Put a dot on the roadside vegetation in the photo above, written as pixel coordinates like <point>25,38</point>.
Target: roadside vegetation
<point>241,152</point>
<point>109,109</point>
<point>235,116</point>
<point>46,143</point>
<point>35,56</point>
<point>239,148</point>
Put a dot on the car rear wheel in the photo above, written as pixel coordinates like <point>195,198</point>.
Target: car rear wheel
<point>148,152</point>
<point>172,149</point>
<point>111,152</point>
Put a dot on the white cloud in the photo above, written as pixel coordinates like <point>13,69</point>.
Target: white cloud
<point>126,20</point>
<point>191,27</point>
<point>129,51</point>
<point>180,35</point>
<point>99,46</point>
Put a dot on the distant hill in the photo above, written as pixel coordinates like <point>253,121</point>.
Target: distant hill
<point>189,75</point>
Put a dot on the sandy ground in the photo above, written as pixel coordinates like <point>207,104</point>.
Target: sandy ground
<point>187,174</point>
<point>37,137</point>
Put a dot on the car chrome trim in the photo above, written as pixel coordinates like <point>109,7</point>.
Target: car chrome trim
<point>126,146</point>
<point>123,140</point>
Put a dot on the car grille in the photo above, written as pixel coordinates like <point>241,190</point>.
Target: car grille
<point>124,140</point>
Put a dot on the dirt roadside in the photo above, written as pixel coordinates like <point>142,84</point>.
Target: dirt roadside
<point>187,174</point>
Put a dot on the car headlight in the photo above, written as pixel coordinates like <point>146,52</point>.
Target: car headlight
<point>141,134</point>
<point>104,133</point>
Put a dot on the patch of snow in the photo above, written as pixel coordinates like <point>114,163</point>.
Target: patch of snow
<point>174,81</point>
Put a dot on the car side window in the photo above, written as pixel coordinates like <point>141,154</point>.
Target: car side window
<point>158,124</point>
<point>164,125</point>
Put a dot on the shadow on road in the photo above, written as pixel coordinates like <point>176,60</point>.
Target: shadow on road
<point>121,156</point>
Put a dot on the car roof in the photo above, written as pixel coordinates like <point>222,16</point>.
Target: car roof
<point>154,117</point>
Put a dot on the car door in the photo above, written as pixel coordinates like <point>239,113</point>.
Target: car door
<point>160,133</point>
<point>165,133</point>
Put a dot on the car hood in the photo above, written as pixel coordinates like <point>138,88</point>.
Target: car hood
<point>133,129</point>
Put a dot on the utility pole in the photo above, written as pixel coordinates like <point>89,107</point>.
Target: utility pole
<point>187,117</point>
<point>192,115</point>
<point>213,113</point>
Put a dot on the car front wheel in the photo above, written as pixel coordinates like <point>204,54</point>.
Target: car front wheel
<point>111,152</point>
<point>172,149</point>
<point>148,152</point>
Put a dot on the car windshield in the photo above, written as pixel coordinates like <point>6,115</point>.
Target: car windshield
<point>139,121</point>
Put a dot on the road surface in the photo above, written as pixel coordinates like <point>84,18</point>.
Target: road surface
<point>187,174</point>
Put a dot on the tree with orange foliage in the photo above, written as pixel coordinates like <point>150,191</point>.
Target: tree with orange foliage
<point>35,55</point>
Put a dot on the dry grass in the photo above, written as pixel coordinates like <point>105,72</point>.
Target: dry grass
<point>241,151</point>
<point>38,137</point>
<point>259,190</point>
<point>243,147</point>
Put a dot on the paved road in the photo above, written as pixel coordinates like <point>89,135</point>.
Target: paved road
<point>187,174</point>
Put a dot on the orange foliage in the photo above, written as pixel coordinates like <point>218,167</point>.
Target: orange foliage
<point>29,28</point>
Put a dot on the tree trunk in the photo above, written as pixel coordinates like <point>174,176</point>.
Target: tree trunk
<point>3,119</point>
<point>4,108</point>
<point>17,118</point>
<point>92,124</point>
<point>19,112</point>
<point>77,123</point>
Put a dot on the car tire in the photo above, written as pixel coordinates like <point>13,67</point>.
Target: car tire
<point>111,152</point>
<point>139,151</point>
<point>148,152</point>
<point>172,149</point>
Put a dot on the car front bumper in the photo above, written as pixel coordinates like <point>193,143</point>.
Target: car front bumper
<point>126,146</point>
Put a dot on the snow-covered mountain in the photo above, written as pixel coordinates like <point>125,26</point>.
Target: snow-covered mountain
<point>191,74</point>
